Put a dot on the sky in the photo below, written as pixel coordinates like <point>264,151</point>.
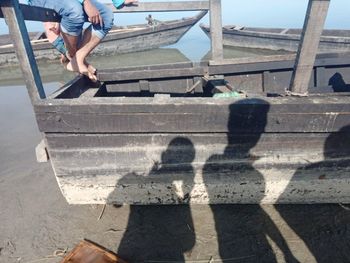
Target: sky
<point>265,13</point>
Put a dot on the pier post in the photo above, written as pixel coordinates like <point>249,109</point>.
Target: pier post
<point>24,51</point>
<point>313,26</point>
<point>216,30</point>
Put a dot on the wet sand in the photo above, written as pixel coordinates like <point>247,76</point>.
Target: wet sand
<point>35,220</point>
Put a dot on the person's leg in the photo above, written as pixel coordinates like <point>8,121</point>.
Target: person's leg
<point>72,21</point>
<point>92,37</point>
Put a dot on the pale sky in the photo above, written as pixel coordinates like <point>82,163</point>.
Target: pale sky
<point>268,13</point>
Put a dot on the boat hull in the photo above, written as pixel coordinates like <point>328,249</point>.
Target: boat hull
<point>280,41</point>
<point>130,142</point>
<point>122,169</point>
<point>130,39</point>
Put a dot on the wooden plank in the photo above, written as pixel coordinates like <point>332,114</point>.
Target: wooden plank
<point>83,153</point>
<point>20,38</point>
<point>217,53</point>
<point>35,13</point>
<point>292,142</point>
<point>91,154</point>
<point>112,167</point>
<point>163,7</point>
<point>88,94</point>
<point>149,74</point>
<point>249,60</point>
<point>313,26</point>
<point>249,115</point>
<point>149,104</point>
<point>75,86</point>
<point>244,65</point>
<point>41,152</point>
<point>189,122</point>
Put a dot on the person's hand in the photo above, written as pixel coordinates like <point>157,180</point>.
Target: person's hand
<point>131,2</point>
<point>52,29</point>
<point>55,28</point>
<point>92,13</point>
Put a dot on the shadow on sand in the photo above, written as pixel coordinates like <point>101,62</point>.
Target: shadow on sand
<point>243,233</point>
<point>326,237</point>
<point>166,232</point>
<point>243,230</point>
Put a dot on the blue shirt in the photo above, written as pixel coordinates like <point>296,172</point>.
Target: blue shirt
<point>117,3</point>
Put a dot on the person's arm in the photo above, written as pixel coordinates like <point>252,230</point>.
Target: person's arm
<point>121,3</point>
<point>92,12</point>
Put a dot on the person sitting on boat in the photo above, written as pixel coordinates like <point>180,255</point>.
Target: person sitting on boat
<point>74,13</point>
<point>54,37</point>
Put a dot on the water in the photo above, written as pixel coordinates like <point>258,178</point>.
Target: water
<point>195,44</point>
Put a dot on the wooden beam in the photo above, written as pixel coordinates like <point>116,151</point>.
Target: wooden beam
<point>216,30</point>
<point>35,13</point>
<point>314,22</point>
<point>24,51</point>
<point>280,115</point>
<point>163,7</point>
<point>117,75</point>
<point>249,60</point>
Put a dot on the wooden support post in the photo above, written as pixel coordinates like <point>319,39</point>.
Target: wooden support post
<point>24,51</point>
<point>313,26</point>
<point>216,30</point>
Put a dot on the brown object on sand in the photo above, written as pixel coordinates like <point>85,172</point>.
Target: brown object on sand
<point>88,252</point>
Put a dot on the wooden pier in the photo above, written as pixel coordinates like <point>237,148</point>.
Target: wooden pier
<point>166,134</point>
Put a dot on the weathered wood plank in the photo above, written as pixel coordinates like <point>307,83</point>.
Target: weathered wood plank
<point>208,168</point>
<point>217,53</point>
<point>258,186</point>
<point>126,123</point>
<point>88,94</point>
<point>313,26</point>
<point>36,13</point>
<point>150,104</point>
<point>20,38</point>
<point>168,116</point>
<point>150,74</point>
<point>244,65</point>
<point>292,142</point>
<point>250,60</point>
<point>163,7</point>
<point>76,84</point>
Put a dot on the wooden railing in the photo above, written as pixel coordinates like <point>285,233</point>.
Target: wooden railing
<point>15,14</point>
<point>32,13</point>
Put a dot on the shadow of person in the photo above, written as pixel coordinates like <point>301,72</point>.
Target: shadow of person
<point>338,84</point>
<point>164,232</point>
<point>243,231</point>
<point>324,228</point>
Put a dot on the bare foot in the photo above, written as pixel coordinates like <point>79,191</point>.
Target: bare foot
<point>81,68</point>
<point>91,68</point>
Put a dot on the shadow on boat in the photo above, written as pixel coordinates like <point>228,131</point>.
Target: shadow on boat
<point>325,237</point>
<point>243,231</point>
<point>163,232</point>
<point>167,233</point>
<point>338,83</point>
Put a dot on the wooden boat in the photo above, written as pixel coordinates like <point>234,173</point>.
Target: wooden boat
<point>119,40</point>
<point>156,134</point>
<point>224,131</point>
<point>281,38</point>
